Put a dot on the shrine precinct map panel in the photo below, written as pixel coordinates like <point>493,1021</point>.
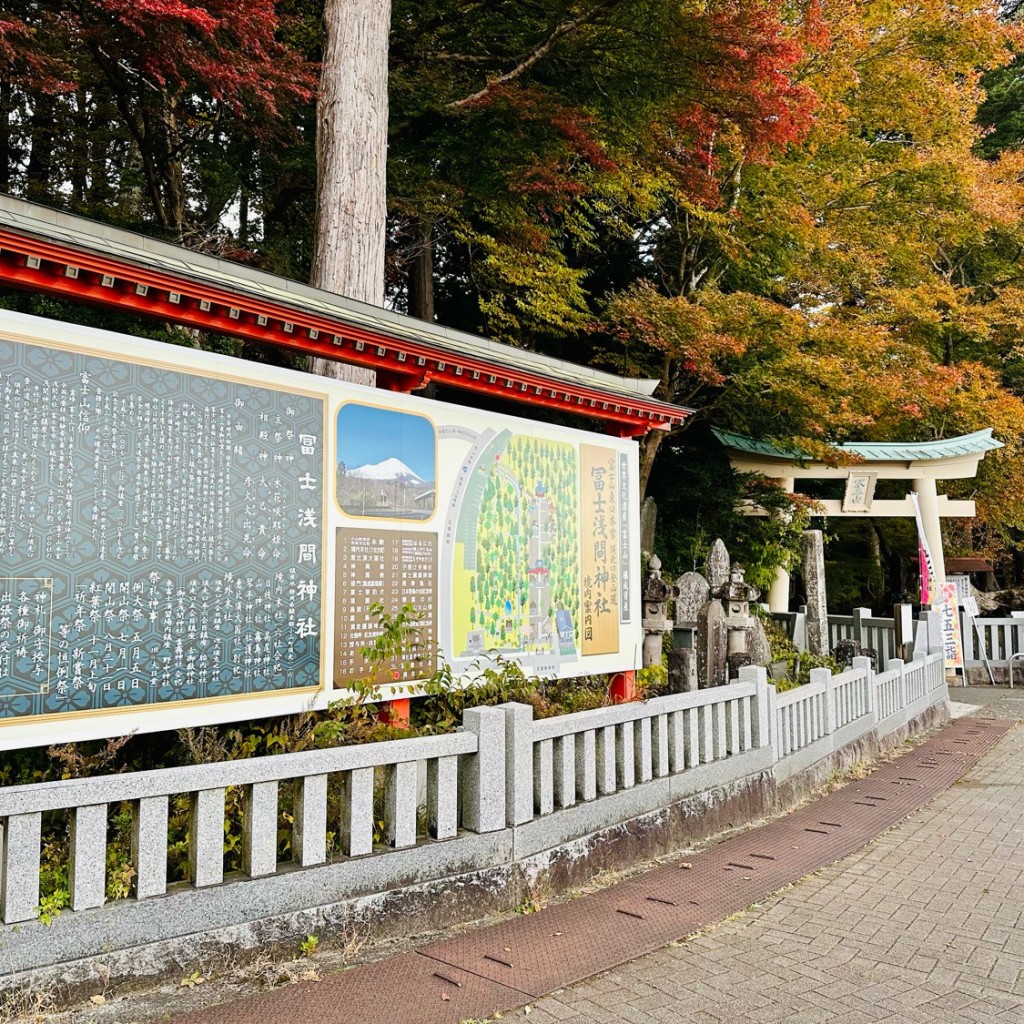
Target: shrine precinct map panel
<point>161,535</point>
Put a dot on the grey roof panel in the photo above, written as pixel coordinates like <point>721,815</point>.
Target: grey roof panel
<point>155,254</point>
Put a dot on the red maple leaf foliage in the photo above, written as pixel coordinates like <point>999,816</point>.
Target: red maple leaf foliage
<point>226,49</point>
<point>743,86</point>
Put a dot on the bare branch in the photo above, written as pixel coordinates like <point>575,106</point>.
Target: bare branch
<point>542,49</point>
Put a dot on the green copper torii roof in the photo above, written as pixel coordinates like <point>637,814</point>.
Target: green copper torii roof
<point>978,443</point>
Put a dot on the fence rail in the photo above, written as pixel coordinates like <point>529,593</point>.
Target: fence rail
<point>596,753</point>
<point>391,767</point>
<point>862,628</point>
<point>500,772</point>
<point>999,639</point>
<point>850,703</point>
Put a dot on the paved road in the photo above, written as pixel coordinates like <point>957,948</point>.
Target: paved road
<point>924,924</point>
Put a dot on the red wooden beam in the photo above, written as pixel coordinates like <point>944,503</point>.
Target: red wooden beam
<point>402,365</point>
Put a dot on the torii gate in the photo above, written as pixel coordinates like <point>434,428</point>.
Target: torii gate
<point>922,463</point>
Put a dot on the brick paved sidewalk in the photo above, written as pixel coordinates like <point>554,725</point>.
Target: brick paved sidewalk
<point>922,925</point>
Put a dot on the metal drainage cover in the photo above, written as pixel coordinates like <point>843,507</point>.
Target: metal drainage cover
<point>408,989</point>
<point>569,942</point>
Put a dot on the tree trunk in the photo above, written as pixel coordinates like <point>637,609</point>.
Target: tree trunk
<point>351,146</point>
<point>6,154</point>
<point>40,161</point>
<point>421,270</point>
<point>649,445</point>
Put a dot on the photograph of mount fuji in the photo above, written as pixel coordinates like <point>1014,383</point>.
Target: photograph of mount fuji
<point>387,463</point>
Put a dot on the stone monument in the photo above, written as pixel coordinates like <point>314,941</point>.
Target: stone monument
<point>717,566</point>
<point>655,622</point>
<point>814,581</point>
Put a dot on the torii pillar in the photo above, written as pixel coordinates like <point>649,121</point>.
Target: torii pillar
<point>928,502</point>
<point>778,592</point>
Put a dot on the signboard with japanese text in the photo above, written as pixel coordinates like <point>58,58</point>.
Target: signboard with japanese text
<point>187,538</point>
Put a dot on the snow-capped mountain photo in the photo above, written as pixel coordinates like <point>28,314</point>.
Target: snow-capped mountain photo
<point>389,469</point>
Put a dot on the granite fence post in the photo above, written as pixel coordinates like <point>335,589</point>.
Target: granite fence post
<point>259,829</point>
<point>762,711</point>
<point>149,846</point>
<point>484,781</point>
<point>309,830</point>
<point>518,763</point>
<point>206,837</point>
<point>867,665</point>
<point>800,628</point>
<point>860,629</point>
<point>87,868</point>
<point>19,867</point>
<point>824,676</point>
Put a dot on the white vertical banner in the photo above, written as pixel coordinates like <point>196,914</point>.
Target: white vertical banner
<point>941,596</point>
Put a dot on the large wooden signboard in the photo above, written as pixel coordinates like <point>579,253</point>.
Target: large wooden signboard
<point>187,538</point>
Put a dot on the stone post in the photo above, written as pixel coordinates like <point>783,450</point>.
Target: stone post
<point>518,762</point>
<point>484,781</point>
<point>903,616</point>
<point>682,669</point>
<point>648,523</point>
<point>693,592</point>
<point>717,566</point>
<point>712,640</point>
<point>814,579</point>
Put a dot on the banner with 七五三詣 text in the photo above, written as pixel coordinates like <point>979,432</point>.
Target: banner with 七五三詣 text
<point>949,623</point>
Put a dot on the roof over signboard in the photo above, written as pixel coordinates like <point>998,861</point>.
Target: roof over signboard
<point>49,251</point>
<point>967,565</point>
<point>978,443</point>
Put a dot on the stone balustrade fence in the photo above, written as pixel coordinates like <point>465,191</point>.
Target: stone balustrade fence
<point>832,711</point>
<point>479,744</point>
<point>503,788</point>
<point>999,637</point>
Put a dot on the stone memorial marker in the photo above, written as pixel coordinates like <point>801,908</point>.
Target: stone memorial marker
<point>712,642</point>
<point>648,523</point>
<point>693,594</point>
<point>814,581</point>
<point>682,669</point>
<point>717,566</point>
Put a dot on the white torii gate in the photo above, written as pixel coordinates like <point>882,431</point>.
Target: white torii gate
<point>920,462</point>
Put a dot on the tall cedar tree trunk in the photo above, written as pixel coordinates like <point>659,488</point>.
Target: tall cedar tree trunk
<point>40,161</point>
<point>421,271</point>
<point>351,149</point>
<point>6,155</point>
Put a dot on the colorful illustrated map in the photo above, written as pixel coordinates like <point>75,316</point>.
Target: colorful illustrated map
<point>513,537</point>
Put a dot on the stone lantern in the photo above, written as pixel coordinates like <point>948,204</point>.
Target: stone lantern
<point>741,627</point>
<point>656,622</point>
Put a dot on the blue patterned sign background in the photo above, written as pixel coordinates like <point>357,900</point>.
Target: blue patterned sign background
<point>161,535</point>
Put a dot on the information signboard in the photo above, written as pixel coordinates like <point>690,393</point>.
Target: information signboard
<point>187,538</point>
